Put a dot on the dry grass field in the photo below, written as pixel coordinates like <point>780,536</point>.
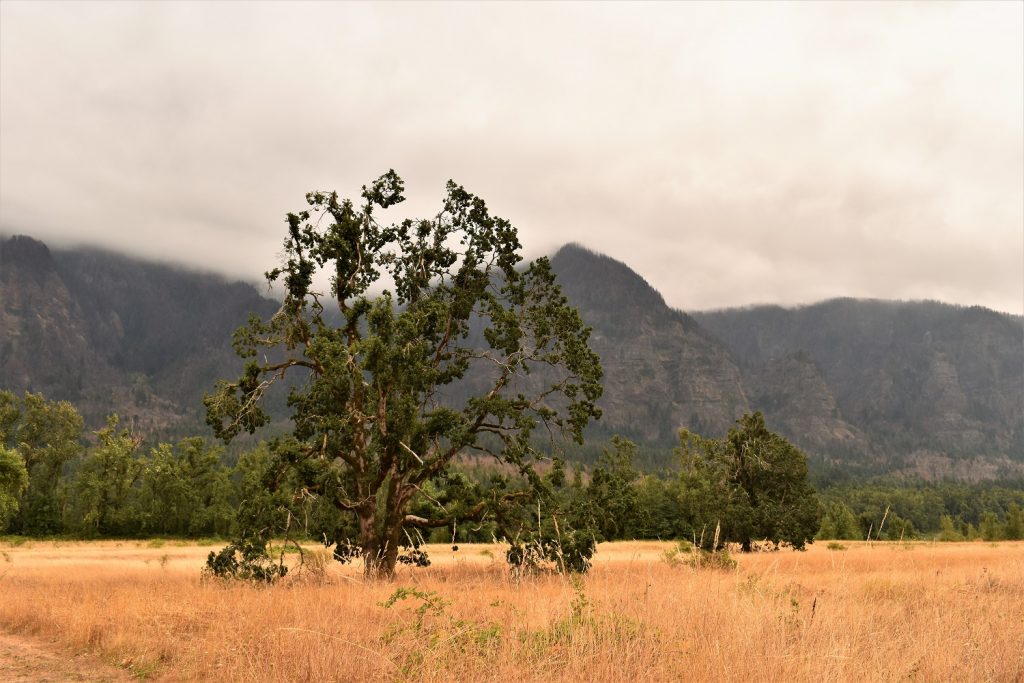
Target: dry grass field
<point>885,612</point>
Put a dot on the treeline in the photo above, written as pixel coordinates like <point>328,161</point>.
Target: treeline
<point>53,481</point>
<point>114,486</point>
<point>946,511</point>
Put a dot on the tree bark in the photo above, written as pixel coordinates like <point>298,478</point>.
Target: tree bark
<point>379,546</point>
<point>369,541</point>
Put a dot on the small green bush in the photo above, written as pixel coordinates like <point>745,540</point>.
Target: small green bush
<point>244,560</point>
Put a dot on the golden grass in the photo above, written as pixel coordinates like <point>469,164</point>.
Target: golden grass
<point>886,612</point>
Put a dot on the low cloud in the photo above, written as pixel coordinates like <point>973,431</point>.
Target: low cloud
<point>730,153</point>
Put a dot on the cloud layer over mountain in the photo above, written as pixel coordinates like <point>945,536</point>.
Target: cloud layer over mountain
<point>732,152</point>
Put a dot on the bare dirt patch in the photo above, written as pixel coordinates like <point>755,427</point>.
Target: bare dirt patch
<point>24,659</point>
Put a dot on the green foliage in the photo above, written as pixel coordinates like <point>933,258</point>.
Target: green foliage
<point>552,528</point>
<point>47,435</point>
<point>570,553</point>
<point>266,494</point>
<point>185,490</point>
<point>917,508</point>
<point>386,400</point>
<point>427,630</point>
<point>711,559</point>
<point>114,490</point>
<point>897,528</point>
<point>612,495</point>
<point>13,482</point>
<point>948,530</point>
<point>659,513</point>
<point>990,528</point>
<point>1014,529</point>
<point>838,522</point>
<point>689,554</point>
<point>676,555</point>
<point>106,481</point>
<point>245,560</point>
<point>753,484</point>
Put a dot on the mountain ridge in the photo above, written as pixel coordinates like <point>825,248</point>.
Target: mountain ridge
<point>115,334</point>
<point>921,388</point>
<point>917,388</point>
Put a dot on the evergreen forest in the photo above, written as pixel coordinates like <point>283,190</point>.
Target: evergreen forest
<point>111,484</point>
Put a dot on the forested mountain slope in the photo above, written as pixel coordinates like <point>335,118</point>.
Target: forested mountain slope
<point>922,388</point>
<point>925,389</point>
<point>933,388</point>
<point>114,334</point>
<point>662,370</point>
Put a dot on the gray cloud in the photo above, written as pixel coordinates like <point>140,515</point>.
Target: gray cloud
<point>731,153</point>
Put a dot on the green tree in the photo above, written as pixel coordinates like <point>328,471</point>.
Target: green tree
<point>948,530</point>
<point>660,515</point>
<point>463,352</point>
<point>553,526</point>
<point>13,482</point>
<point>1014,528</point>
<point>898,528</point>
<point>105,483</point>
<point>838,522</point>
<point>611,492</point>
<point>185,490</point>
<point>48,436</point>
<point>990,529</point>
<point>266,492</point>
<point>752,485</point>
<point>164,497</point>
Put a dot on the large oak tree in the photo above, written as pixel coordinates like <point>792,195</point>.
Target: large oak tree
<point>446,344</point>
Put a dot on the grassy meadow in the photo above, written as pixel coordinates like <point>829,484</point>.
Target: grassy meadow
<point>879,612</point>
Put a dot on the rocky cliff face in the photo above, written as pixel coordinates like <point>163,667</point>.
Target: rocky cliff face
<point>662,371</point>
<point>922,382</point>
<point>922,388</point>
<point>797,402</point>
<point>112,334</point>
<point>43,341</point>
<point>918,388</point>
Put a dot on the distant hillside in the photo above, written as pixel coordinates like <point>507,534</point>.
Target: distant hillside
<point>924,389</point>
<point>114,334</point>
<point>662,370</point>
<point>934,389</point>
<point>864,387</point>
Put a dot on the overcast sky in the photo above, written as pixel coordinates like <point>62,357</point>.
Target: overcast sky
<point>730,153</point>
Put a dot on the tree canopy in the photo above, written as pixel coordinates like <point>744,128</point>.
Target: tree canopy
<point>445,345</point>
<point>13,482</point>
<point>47,436</point>
<point>752,486</point>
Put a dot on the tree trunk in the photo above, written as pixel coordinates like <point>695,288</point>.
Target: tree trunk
<point>378,565</point>
<point>390,558</point>
<point>369,541</point>
<point>380,559</point>
<point>379,549</point>
<point>380,531</point>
